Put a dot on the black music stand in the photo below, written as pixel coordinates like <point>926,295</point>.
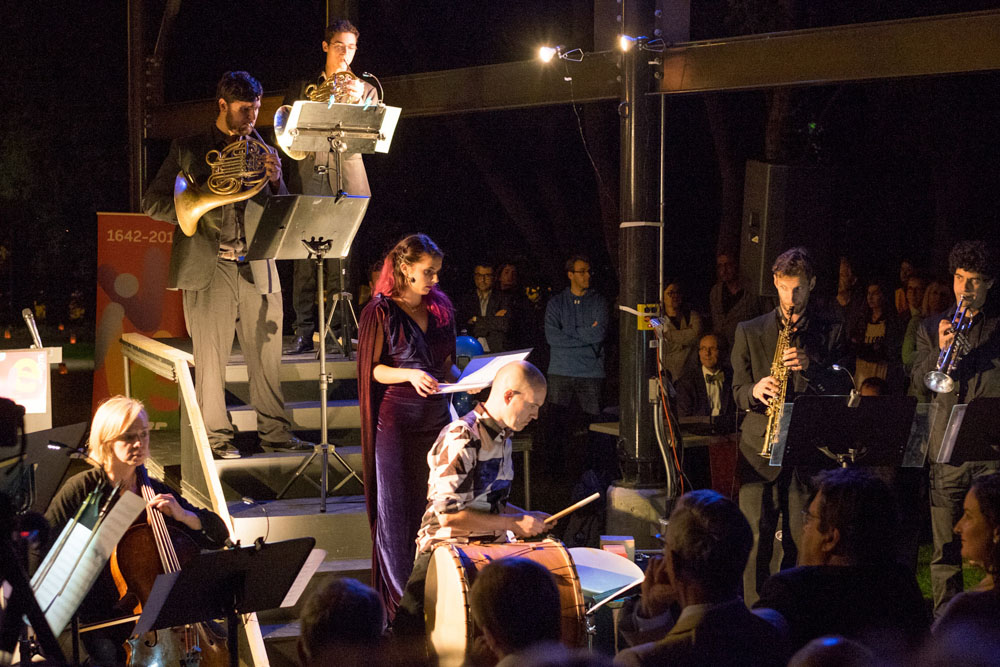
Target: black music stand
<point>971,433</point>
<point>310,227</point>
<point>320,127</point>
<point>825,428</point>
<point>243,580</point>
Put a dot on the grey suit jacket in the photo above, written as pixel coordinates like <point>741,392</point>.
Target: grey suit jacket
<point>193,258</point>
<point>723,634</point>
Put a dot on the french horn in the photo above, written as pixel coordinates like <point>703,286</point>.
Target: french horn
<point>335,89</point>
<point>238,173</point>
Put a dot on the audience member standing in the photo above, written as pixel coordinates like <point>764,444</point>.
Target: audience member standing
<point>485,312</point>
<point>576,323</point>
<point>876,340</point>
<point>915,288</point>
<point>849,300</point>
<point>730,302</point>
<point>681,329</point>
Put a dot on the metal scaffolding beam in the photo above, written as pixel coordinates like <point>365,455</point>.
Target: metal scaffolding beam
<point>927,46</point>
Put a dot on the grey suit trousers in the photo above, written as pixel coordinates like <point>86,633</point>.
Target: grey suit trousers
<point>233,304</point>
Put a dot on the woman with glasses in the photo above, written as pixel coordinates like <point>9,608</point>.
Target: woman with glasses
<point>118,447</point>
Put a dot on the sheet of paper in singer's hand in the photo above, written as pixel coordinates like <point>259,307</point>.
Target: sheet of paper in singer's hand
<point>480,372</point>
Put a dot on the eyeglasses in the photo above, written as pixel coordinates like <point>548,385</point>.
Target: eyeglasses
<point>131,436</point>
<point>340,46</point>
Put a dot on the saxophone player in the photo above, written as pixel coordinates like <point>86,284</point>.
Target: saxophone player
<point>976,374</point>
<point>772,498</point>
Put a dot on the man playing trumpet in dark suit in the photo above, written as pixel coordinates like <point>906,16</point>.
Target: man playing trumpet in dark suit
<point>222,291</point>
<point>772,498</point>
<point>976,374</point>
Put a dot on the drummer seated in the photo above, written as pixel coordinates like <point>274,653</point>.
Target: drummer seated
<point>469,482</point>
<point>705,550</point>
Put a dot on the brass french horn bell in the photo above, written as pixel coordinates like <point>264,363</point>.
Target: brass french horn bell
<point>334,89</point>
<point>238,172</point>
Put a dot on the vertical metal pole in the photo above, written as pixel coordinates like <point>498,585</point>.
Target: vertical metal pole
<point>638,255</point>
<point>323,381</point>
<point>136,102</point>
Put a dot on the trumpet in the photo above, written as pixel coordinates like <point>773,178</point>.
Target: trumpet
<point>239,172</point>
<point>335,89</point>
<point>940,379</point>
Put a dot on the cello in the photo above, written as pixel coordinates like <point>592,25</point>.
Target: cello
<point>145,551</point>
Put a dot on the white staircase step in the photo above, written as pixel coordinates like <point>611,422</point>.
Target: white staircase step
<point>305,415</point>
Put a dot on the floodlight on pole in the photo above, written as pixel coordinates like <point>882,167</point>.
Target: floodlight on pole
<point>547,53</point>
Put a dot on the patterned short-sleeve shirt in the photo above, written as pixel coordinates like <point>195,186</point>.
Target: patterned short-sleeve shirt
<point>470,468</point>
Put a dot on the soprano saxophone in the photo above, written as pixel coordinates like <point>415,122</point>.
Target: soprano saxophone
<point>776,404</point>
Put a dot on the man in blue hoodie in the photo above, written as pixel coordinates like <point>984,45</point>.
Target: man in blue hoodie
<point>576,323</point>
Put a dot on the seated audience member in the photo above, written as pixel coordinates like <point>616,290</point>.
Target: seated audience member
<point>343,621</point>
<point>706,390</point>
<point>847,582</point>
<point>515,602</point>
<point>979,529</point>
<point>833,652</point>
<point>681,329</point>
<point>705,550</point>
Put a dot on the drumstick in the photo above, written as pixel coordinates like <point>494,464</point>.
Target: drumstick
<point>572,508</point>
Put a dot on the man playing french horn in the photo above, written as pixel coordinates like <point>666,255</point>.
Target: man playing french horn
<point>316,174</point>
<point>202,186</point>
<point>975,374</point>
<point>772,498</point>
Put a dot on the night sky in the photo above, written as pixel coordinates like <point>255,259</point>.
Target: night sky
<point>902,156</point>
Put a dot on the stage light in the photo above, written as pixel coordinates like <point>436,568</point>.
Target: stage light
<point>547,53</point>
<point>625,42</point>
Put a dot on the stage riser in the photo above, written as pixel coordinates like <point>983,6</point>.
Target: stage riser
<point>305,416</point>
<point>343,536</point>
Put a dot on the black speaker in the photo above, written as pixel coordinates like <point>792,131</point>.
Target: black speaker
<point>783,207</point>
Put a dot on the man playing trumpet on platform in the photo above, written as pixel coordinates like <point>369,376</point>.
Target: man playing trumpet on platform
<point>222,291</point>
<point>976,374</point>
<point>316,174</point>
<point>772,498</point>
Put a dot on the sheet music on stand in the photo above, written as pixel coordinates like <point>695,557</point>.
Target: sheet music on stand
<point>970,434</point>
<point>65,576</point>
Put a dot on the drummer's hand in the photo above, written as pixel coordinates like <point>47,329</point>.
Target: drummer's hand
<point>167,504</point>
<point>657,593</point>
<point>530,524</point>
<point>424,383</point>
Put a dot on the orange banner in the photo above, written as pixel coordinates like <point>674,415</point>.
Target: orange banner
<point>133,254</point>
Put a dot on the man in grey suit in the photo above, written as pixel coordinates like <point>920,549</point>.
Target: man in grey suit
<point>222,292</point>
<point>705,550</point>
<point>317,175</point>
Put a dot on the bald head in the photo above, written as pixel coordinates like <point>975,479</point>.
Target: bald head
<point>517,393</point>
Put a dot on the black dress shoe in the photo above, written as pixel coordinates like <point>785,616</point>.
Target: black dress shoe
<point>293,444</point>
<point>300,345</point>
<point>225,450</point>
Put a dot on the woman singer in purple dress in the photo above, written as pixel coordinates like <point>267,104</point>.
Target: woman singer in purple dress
<point>406,344</point>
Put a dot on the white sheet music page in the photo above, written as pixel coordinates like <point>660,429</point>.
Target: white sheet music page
<point>480,372</point>
<point>79,562</point>
<point>309,568</point>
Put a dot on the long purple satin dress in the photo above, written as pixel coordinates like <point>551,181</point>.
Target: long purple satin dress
<point>406,425</point>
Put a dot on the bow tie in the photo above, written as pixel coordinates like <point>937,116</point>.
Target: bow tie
<point>714,378</point>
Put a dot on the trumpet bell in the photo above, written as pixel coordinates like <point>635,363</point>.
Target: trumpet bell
<point>939,382</point>
<point>284,137</point>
